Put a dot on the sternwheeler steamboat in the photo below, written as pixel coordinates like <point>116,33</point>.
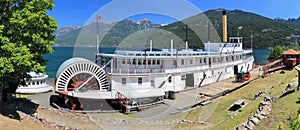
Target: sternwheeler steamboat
<point>132,79</point>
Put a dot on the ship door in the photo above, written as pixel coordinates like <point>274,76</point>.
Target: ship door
<point>189,80</point>
<point>236,69</point>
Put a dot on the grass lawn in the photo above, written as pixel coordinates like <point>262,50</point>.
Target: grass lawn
<point>284,109</point>
<point>217,116</point>
<point>22,95</point>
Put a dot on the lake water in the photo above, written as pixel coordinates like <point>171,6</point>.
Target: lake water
<point>261,55</point>
<point>61,54</point>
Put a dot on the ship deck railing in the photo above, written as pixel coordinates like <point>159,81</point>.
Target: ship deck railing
<point>173,68</point>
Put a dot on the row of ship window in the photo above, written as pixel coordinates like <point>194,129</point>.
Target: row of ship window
<point>195,54</point>
<point>140,80</point>
<point>183,77</point>
<point>158,61</point>
<point>37,82</point>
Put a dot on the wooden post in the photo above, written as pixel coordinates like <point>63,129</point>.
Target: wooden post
<point>298,69</point>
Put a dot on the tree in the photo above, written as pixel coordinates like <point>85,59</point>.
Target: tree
<point>296,47</point>
<point>276,52</point>
<point>26,33</point>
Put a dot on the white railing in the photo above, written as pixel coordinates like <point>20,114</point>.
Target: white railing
<point>174,69</point>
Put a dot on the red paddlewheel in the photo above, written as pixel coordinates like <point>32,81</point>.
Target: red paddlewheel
<point>83,81</point>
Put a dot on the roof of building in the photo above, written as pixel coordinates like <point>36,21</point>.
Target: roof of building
<point>291,52</point>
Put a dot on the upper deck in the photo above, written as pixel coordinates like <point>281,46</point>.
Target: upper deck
<point>171,61</point>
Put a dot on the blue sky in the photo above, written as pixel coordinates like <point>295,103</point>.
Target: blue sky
<point>77,12</point>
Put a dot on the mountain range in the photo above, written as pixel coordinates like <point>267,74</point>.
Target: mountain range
<point>290,20</point>
<point>265,32</point>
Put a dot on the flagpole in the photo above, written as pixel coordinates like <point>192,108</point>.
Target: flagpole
<point>97,44</point>
<point>251,41</point>
<point>97,40</point>
<point>238,30</point>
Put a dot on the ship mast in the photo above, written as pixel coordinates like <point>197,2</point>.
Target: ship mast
<point>97,41</point>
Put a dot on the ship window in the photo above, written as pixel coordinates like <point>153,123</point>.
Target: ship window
<point>182,62</point>
<point>144,62</point>
<point>183,77</point>
<point>191,61</point>
<point>140,62</point>
<point>152,83</point>
<point>134,61</point>
<point>204,60</point>
<point>123,81</point>
<point>158,62</point>
<point>33,83</point>
<point>128,61</point>
<point>170,79</point>
<point>140,80</point>
<point>123,61</point>
<point>149,62</point>
<point>153,62</point>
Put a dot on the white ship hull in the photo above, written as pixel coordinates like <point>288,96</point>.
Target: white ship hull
<point>34,89</point>
<point>37,84</point>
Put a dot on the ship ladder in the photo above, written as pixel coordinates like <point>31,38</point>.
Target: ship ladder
<point>162,84</point>
<point>204,76</point>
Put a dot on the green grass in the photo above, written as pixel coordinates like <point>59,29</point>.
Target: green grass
<point>220,117</point>
<point>282,110</point>
<point>22,95</point>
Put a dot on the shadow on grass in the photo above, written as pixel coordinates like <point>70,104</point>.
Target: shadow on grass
<point>298,102</point>
<point>13,105</point>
